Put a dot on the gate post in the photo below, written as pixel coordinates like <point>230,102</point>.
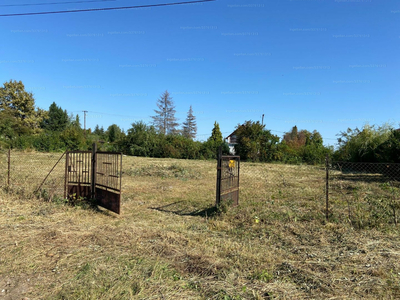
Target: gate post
<point>66,173</point>
<point>219,165</point>
<point>8,167</point>
<point>327,188</point>
<point>94,170</point>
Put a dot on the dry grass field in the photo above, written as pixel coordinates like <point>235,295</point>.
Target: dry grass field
<point>171,243</point>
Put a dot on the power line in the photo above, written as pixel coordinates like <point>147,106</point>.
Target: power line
<point>103,9</point>
<point>54,3</point>
<point>117,115</point>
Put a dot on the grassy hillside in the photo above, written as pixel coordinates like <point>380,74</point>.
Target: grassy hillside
<point>170,243</point>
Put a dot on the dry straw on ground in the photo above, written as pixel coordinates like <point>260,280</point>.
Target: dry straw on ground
<point>169,242</point>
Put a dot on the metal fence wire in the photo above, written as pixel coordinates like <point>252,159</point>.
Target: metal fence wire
<point>33,173</point>
<point>292,192</point>
<point>365,194</point>
<point>3,167</point>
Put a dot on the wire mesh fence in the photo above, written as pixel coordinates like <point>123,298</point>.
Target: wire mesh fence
<point>364,194</point>
<point>293,192</point>
<point>32,173</point>
<point>3,167</point>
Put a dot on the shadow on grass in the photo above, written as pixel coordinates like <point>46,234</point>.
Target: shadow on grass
<point>84,204</point>
<point>172,208</point>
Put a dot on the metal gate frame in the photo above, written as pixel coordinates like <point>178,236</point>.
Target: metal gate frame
<point>78,178</point>
<point>228,168</point>
<point>107,180</point>
<point>85,178</point>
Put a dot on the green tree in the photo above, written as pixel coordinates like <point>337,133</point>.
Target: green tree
<point>75,122</point>
<point>114,133</point>
<point>141,140</point>
<point>57,119</point>
<point>20,104</point>
<point>189,126</point>
<point>254,142</point>
<point>216,135</point>
<point>73,138</point>
<point>360,145</point>
<point>10,129</point>
<point>164,120</point>
<point>389,150</point>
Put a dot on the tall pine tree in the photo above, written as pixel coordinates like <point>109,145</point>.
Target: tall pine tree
<point>216,135</point>
<point>57,119</point>
<point>165,121</point>
<point>189,129</point>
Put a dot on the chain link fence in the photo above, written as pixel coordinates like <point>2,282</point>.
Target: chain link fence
<point>30,174</point>
<point>280,191</point>
<point>361,194</point>
<point>364,194</point>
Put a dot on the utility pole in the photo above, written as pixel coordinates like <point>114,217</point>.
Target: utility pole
<point>262,122</point>
<point>84,122</point>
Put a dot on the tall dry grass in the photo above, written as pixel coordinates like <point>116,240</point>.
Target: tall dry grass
<point>171,243</point>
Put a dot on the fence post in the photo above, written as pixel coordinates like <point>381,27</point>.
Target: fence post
<point>8,167</point>
<point>94,170</point>
<point>218,193</point>
<point>327,187</point>
<point>66,173</point>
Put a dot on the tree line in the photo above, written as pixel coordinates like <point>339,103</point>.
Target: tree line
<point>24,126</point>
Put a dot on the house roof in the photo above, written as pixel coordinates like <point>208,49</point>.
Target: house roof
<point>233,133</point>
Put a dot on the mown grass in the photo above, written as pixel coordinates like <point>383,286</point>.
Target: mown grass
<point>171,243</point>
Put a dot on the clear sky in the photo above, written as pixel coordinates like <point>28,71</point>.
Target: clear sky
<point>318,64</point>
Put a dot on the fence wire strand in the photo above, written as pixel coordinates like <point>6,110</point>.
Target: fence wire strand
<point>364,194</point>
<point>28,170</point>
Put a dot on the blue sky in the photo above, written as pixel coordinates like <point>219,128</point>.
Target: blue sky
<point>318,64</point>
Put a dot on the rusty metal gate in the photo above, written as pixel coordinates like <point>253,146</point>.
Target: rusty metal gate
<point>94,175</point>
<point>228,179</point>
<point>107,180</point>
<point>78,175</point>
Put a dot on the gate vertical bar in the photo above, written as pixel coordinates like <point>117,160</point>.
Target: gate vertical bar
<point>94,170</point>
<point>219,165</point>
<point>327,187</point>
<point>120,178</point>
<point>66,173</point>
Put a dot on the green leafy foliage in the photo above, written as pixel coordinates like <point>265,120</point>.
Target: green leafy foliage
<point>371,144</point>
<point>114,133</point>
<point>254,142</point>
<point>20,105</point>
<point>56,120</point>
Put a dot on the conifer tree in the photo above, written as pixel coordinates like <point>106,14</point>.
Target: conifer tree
<point>164,120</point>
<point>189,126</point>
<point>57,119</point>
<point>216,135</point>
